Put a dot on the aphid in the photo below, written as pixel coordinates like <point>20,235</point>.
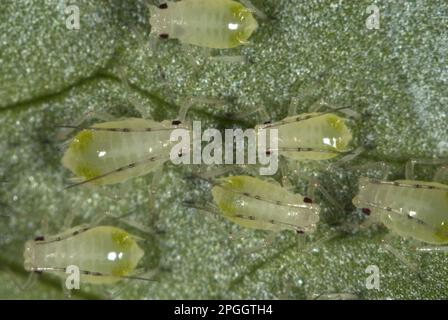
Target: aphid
<point>258,204</point>
<point>103,254</point>
<point>311,136</point>
<point>112,152</point>
<point>218,24</point>
<point>410,208</point>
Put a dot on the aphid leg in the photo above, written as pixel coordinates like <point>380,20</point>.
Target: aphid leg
<point>152,192</point>
<point>286,169</point>
<point>249,5</point>
<point>411,265</point>
<point>29,283</point>
<point>432,249</point>
<point>315,185</point>
<point>441,174</point>
<point>138,274</point>
<point>230,59</point>
<point>67,130</point>
<point>293,105</point>
<point>382,167</point>
<point>320,103</point>
<point>410,166</point>
<point>68,221</point>
<point>347,158</point>
<point>266,243</point>
<point>144,111</point>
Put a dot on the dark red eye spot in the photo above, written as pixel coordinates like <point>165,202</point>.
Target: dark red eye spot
<point>164,36</point>
<point>366,211</point>
<point>39,238</point>
<point>176,122</point>
<point>163,6</point>
<point>268,153</point>
<point>300,232</point>
<point>307,200</point>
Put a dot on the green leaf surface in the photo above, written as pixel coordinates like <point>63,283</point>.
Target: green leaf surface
<point>395,77</point>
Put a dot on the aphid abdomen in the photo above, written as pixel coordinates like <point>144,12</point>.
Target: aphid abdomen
<point>102,254</point>
<point>416,209</point>
<point>257,204</point>
<point>213,24</point>
<point>119,155</point>
<point>328,135</point>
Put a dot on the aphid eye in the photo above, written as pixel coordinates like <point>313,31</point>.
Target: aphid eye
<point>39,238</point>
<point>268,153</point>
<point>268,122</point>
<point>300,232</point>
<point>180,154</point>
<point>176,122</point>
<point>164,36</point>
<point>163,6</point>
<point>366,211</point>
<point>307,200</point>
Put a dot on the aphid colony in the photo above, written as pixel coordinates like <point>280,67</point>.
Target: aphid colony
<point>115,151</point>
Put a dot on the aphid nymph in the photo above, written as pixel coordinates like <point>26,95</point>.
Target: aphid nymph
<point>113,152</point>
<point>103,254</point>
<point>259,204</point>
<point>311,136</point>
<point>219,24</point>
<point>410,208</point>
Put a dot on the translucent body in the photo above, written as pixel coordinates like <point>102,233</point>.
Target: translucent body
<point>108,252</point>
<point>137,147</point>
<point>415,209</point>
<point>311,136</point>
<point>216,24</point>
<point>258,204</point>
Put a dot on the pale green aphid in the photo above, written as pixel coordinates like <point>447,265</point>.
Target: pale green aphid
<point>410,208</point>
<point>103,254</point>
<point>219,24</point>
<point>311,136</point>
<point>112,152</point>
<point>258,204</point>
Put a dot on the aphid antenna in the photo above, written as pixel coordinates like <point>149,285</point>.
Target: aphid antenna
<point>210,209</point>
<point>134,225</point>
<point>120,129</point>
<point>196,176</point>
<point>300,118</point>
<point>407,185</point>
<point>252,8</point>
<point>89,273</point>
<point>432,249</point>
<point>128,166</point>
<point>411,265</point>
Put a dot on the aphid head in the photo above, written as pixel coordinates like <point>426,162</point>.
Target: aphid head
<point>159,20</point>
<point>242,26</point>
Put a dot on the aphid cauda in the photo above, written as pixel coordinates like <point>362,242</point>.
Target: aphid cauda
<point>258,204</point>
<point>103,254</point>
<point>218,24</point>
<point>112,152</point>
<point>409,208</point>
